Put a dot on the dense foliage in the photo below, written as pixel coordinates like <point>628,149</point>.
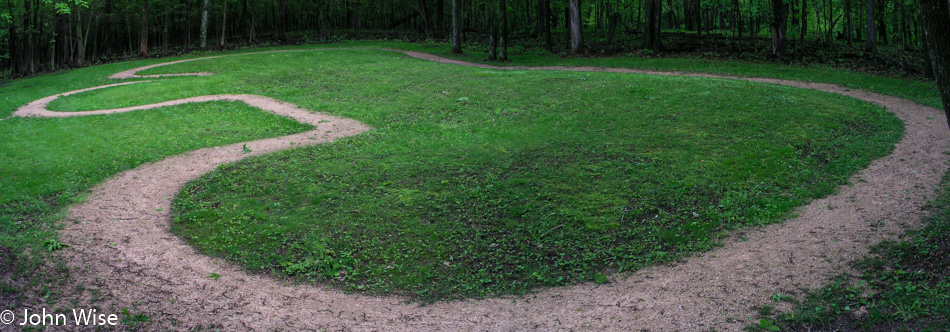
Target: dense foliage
<point>43,35</point>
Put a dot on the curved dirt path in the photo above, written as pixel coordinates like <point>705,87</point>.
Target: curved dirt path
<point>119,243</point>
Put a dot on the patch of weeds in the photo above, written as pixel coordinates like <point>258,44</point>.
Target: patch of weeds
<point>133,322</point>
<point>600,278</point>
<point>779,297</point>
<point>764,324</point>
<point>903,285</point>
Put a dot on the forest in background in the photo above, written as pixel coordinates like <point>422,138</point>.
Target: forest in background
<point>46,35</point>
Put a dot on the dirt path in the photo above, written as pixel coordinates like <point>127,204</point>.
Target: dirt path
<point>119,242</point>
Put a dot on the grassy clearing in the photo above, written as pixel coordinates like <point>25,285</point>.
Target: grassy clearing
<point>904,285</point>
<point>29,210</point>
<point>923,92</point>
<point>478,182</point>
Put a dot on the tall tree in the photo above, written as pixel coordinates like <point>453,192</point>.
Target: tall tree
<point>224,23</point>
<point>143,36</point>
<point>492,38</point>
<point>928,67</point>
<point>82,36</point>
<point>204,25</point>
<point>804,26</point>
<point>935,16</point>
<point>651,35</point>
<point>847,28</point>
<point>282,20</point>
<point>353,14</point>
<point>882,21</point>
<point>440,18</point>
<point>503,37</point>
<point>870,43</point>
<point>653,25</point>
<point>456,27</point>
<point>736,18</point>
<point>577,41</point>
<point>546,24</point>
<point>779,27</point>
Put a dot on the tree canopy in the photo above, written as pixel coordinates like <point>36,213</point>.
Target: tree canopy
<point>44,35</point>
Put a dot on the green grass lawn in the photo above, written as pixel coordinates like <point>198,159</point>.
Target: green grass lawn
<point>478,182</point>
<point>923,92</point>
<point>472,183</point>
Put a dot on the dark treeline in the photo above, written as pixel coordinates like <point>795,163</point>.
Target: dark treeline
<point>44,35</point>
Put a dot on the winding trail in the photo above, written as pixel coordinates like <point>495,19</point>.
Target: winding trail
<point>151,271</point>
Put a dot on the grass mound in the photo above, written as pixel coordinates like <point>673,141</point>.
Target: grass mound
<point>477,182</point>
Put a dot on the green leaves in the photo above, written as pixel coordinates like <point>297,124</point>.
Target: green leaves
<point>600,279</point>
<point>53,245</point>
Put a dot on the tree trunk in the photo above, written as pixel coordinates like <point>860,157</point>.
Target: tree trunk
<point>577,42</point>
<point>612,22</point>
<point>354,15</point>
<point>804,26</point>
<point>870,43</point>
<point>165,34</point>
<point>204,26</point>
<point>456,27</point>
<point>143,36</point>
<point>251,38</point>
<point>905,35</point>
<point>537,23</point>
<point>107,32</point>
<point>935,16</point>
<point>440,18</point>
<point>503,37</point>
<point>848,33</point>
<point>651,35</point>
<point>546,28</point>
<point>12,42</point>
<point>928,66</point>
<point>779,28</point>
<point>81,54</point>
<point>188,28</point>
<point>736,18</point>
<point>882,21</point>
<point>323,20</point>
<point>249,20</point>
<point>224,23</point>
<point>28,27</point>
<point>493,42</point>
<point>58,23</point>
<point>282,20</point>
